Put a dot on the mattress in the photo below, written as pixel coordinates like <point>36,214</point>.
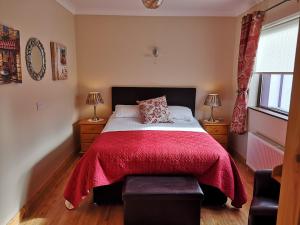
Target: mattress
<point>131,124</point>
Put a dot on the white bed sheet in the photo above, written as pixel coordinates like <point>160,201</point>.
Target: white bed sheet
<point>130,124</point>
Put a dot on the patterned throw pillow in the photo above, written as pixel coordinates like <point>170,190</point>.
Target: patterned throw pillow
<point>154,110</point>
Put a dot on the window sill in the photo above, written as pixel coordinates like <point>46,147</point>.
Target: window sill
<point>270,113</point>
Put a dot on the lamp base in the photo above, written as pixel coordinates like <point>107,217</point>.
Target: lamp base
<point>95,120</point>
<point>211,121</point>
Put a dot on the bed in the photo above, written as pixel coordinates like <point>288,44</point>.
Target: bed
<point>127,147</point>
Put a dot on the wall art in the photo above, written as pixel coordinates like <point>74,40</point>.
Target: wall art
<point>10,57</point>
<point>59,61</point>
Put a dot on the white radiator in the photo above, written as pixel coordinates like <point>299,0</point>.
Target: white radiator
<point>263,153</point>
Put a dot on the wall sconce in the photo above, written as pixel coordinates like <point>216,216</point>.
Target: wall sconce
<point>152,4</point>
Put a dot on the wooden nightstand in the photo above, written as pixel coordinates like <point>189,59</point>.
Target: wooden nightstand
<point>88,132</point>
<point>219,131</point>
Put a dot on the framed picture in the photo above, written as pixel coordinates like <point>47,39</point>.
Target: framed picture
<point>59,61</point>
<point>10,57</point>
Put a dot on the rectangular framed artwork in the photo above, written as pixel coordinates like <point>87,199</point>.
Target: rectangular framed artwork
<point>59,61</point>
<point>10,57</point>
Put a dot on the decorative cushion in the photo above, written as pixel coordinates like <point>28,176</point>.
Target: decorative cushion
<point>154,110</point>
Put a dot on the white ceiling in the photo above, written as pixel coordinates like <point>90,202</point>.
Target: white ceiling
<point>169,7</point>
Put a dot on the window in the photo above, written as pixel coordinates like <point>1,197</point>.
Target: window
<point>275,65</point>
<point>276,92</point>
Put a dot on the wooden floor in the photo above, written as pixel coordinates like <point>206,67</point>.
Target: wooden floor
<point>50,209</point>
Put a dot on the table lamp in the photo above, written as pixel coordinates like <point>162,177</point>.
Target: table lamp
<point>212,100</point>
<point>94,98</point>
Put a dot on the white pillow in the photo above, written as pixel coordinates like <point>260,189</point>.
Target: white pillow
<point>180,113</point>
<point>127,111</point>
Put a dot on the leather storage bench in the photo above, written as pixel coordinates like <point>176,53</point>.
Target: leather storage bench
<point>162,200</point>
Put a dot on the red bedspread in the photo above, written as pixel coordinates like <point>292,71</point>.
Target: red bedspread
<point>114,155</point>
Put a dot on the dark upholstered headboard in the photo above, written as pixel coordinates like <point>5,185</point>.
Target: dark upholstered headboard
<point>175,96</point>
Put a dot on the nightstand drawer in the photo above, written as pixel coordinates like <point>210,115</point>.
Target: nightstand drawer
<point>88,137</point>
<point>85,147</point>
<point>216,129</point>
<point>220,138</point>
<point>91,129</point>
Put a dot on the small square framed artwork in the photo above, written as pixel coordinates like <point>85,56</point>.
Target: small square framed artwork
<point>59,61</point>
<point>10,57</point>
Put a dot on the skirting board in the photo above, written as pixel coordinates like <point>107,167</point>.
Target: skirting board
<point>237,156</point>
<point>17,219</point>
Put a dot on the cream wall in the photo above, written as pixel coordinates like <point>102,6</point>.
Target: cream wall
<point>258,122</point>
<point>34,143</point>
<point>194,52</point>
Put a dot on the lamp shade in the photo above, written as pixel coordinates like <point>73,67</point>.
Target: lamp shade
<point>94,98</point>
<point>213,100</point>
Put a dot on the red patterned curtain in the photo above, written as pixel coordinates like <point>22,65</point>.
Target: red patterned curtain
<point>251,27</point>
